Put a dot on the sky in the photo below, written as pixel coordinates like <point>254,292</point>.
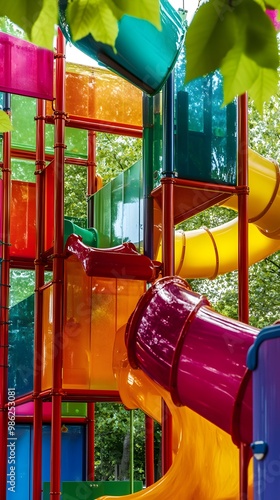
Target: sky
<point>74,55</point>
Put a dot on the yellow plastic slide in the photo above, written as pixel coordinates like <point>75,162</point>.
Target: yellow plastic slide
<point>206,253</point>
<point>205,464</point>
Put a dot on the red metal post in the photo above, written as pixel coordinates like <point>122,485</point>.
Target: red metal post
<point>58,267</point>
<point>90,439</point>
<point>91,173</point>
<point>4,309</point>
<point>149,451</point>
<point>168,239</point>
<point>38,301</point>
<point>243,268</point>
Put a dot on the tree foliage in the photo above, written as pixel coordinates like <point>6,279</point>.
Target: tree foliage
<point>235,36</point>
<point>240,39</point>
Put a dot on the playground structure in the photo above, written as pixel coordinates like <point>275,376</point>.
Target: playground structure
<point>177,349</point>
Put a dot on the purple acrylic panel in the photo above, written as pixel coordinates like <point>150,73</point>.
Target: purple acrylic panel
<point>266,412</point>
<point>25,69</point>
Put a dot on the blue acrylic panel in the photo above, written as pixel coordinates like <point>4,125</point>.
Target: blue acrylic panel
<point>22,488</point>
<point>73,453</point>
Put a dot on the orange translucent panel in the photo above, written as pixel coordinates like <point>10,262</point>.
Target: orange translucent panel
<point>113,301</point>
<point>47,352</point>
<point>94,309</point>
<point>104,319</point>
<point>98,93</point>
<point>129,292</point>
<point>49,206</point>
<point>77,327</point>
<point>23,210</point>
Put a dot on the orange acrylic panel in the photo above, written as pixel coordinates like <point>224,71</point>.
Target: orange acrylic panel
<point>104,311</point>
<point>116,100</point>
<point>49,206</point>
<point>77,326</point>
<point>97,93</point>
<point>23,212</point>
<point>47,352</point>
<point>128,294</point>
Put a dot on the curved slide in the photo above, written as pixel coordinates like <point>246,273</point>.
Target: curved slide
<point>206,253</point>
<point>177,345</point>
<point>205,465</point>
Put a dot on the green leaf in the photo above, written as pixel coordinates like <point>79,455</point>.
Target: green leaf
<point>148,10</point>
<point>272,4</point>
<point>24,13</point>
<point>211,34</point>
<point>264,87</point>
<point>5,122</point>
<point>43,30</point>
<point>239,73</point>
<point>260,40</point>
<point>94,17</point>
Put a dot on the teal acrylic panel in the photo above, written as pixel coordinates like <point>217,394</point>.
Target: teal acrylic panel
<point>21,346</point>
<point>205,130</point>
<point>144,54</point>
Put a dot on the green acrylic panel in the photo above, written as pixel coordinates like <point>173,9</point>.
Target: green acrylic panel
<point>205,130</point>
<point>92,489</point>
<point>74,409</point>
<point>23,170</point>
<point>49,139</point>
<point>102,215</point>
<point>24,126</point>
<point>76,141</point>
<point>117,188</point>
<point>75,188</point>
<point>131,211</point>
<point>117,209</point>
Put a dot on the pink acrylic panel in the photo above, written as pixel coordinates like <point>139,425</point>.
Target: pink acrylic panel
<point>25,69</point>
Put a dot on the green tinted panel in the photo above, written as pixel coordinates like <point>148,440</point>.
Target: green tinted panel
<point>92,489</point>
<point>74,409</point>
<point>76,141</point>
<point>75,188</point>
<point>102,215</point>
<point>24,125</point>
<point>49,139</point>
<point>117,210</point>
<point>23,170</point>
<point>117,217</point>
<point>131,211</point>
